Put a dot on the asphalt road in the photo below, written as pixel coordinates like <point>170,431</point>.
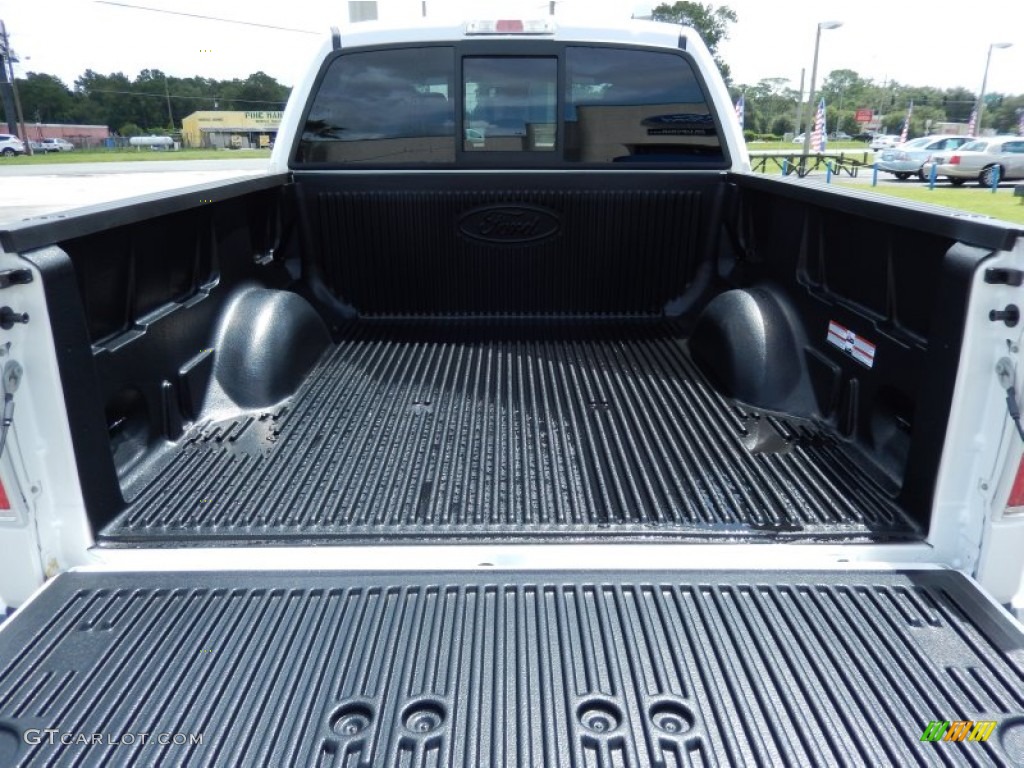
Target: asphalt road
<point>36,190</point>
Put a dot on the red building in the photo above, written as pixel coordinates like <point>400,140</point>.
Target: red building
<point>82,136</point>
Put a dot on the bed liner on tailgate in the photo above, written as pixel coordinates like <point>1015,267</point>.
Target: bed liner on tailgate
<point>482,430</point>
<point>518,669</point>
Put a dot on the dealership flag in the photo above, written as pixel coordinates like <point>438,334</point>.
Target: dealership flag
<point>906,124</point>
<point>974,121</point>
<point>818,135</point>
<point>740,109</point>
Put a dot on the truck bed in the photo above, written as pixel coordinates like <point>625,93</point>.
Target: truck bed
<point>485,430</point>
<point>510,669</point>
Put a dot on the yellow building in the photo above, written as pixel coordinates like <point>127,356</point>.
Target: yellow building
<point>236,130</point>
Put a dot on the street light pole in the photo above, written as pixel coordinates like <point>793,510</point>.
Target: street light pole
<point>810,98</point>
<point>800,102</point>
<point>984,83</point>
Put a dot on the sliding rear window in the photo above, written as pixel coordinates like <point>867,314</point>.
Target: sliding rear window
<point>555,105</point>
<point>510,103</point>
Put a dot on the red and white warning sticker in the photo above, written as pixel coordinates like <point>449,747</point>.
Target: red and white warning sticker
<point>857,347</point>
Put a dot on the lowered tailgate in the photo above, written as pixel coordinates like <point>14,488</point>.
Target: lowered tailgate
<point>511,668</point>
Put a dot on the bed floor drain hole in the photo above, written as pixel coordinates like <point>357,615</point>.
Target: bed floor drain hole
<point>351,720</point>
<point>423,717</point>
<point>1011,736</point>
<point>671,717</point>
<point>10,744</point>
<point>600,716</point>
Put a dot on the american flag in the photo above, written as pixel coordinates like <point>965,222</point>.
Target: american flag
<point>906,124</point>
<point>740,109</point>
<point>818,135</point>
<point>974,121</point>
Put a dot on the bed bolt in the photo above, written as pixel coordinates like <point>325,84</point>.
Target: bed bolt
<point>8,317</point>
<point>1010,315</point>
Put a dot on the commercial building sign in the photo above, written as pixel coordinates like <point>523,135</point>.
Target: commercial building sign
<point>264,117</point>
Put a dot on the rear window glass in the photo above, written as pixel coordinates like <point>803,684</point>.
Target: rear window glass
<point>383,107</point>
<point>510,103</point>
<point>435,105</point>
<point>640,106</point>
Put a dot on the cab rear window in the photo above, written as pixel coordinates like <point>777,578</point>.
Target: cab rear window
<point>383,108</point>
<point>559,105</point>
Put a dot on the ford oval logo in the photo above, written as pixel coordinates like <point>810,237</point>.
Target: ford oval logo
<point>509,224</point>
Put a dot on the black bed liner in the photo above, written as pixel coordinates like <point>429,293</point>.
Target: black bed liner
<point>512,669</point>
<point>469,430</point>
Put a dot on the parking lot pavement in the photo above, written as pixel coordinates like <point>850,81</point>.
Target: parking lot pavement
<point>35,190</point>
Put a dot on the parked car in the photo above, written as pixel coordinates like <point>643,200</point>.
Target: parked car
<point>908,159</point>
<point>979,160</point>
<point>865,136</point>
<point>57,145</point>
<point>884,141</point>
<point>840,136</point>
<point>11,145</point>
<point>799,139</point>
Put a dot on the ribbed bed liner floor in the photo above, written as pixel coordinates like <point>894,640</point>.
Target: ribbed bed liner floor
<point>463,431</point>
<point>527,670</point>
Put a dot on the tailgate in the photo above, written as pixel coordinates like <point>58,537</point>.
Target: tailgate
<point>512,668</point>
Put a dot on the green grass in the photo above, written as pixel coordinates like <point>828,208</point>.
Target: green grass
<point>130,155</point>
<point>999,205</point>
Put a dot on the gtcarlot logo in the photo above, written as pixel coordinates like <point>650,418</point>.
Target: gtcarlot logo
<point>56,736</point>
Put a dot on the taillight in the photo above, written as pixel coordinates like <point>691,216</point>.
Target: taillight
<point>954,160</point>
<point>1017,491</point>
<point>5,503</point>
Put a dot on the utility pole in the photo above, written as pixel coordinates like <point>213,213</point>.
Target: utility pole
<point>6,91</point>
<point>170,115</point>
<point>800,102</point>
<point>9,88</point>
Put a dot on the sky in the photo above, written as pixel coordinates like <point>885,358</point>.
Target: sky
<point>914,42</point>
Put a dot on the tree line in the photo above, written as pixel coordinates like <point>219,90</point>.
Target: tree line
<point>140,105</point>
<point>772,103</point>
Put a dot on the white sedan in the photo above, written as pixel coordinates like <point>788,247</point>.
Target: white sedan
<point>56,145</point>
<point>982,159</point>
<point>884,141</point>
